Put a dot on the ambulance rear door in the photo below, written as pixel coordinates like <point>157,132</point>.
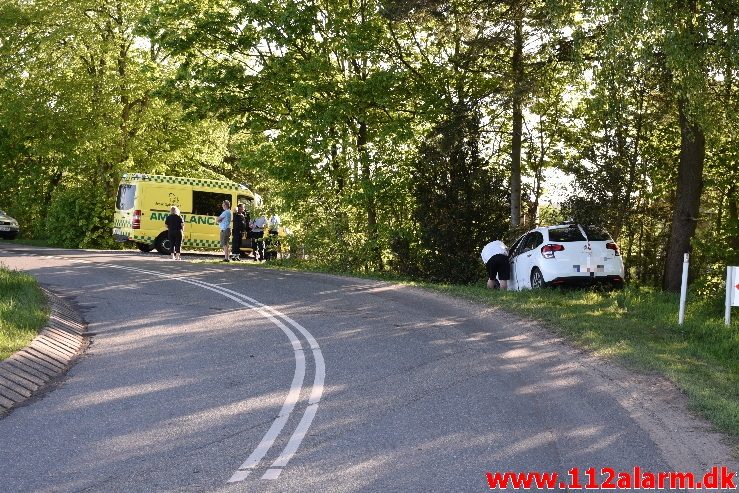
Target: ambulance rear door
<point>124,210</point>
<point>157,199</point>
<point>206,207</point>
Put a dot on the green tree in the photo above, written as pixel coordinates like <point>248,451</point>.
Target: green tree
<point>311,78</point>
<point>498,55</point>
<point>460,200</point>
<point>79,109</point>
<point>656,79</point>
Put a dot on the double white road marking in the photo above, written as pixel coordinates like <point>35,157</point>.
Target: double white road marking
<point>285,323</point>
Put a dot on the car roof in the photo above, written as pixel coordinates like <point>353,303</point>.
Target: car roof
<point>563,225</point>
<point>542,229</point>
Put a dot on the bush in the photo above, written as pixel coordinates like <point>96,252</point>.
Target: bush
<point>80,218</point>
<point>461,201</point>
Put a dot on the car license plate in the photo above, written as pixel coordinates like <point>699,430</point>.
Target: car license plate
<point>4,228</point>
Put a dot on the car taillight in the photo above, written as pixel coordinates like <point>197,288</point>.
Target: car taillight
<point>547,251</point>
<point>614,247</point>
<point>136,220</point>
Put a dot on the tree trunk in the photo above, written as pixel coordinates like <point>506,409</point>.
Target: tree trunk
<point>517,63</point>
<point>640,265</point>
<point>370,204</point>
<point>625,213</point>
<point>733,211</point>
<point>687,197</point>
<point>337,171</point>
<point>729,91</point>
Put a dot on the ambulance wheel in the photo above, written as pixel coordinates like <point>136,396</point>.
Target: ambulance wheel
<point>162,243</point>
<point>144,247</point>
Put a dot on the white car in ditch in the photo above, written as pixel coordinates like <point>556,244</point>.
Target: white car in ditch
<point>569,253</point>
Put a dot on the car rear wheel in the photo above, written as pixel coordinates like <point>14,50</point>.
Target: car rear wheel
<point>144,247</point>
<point>537,279</point>
<point>162,243</point>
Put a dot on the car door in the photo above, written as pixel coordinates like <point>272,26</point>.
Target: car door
<point>517,263</point>
<point>525,260</point>
<point>533,254</point>
<point>512,255</point>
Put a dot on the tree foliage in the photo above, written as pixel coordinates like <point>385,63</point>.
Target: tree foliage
<point>461,201</point>
<point>79,109</point>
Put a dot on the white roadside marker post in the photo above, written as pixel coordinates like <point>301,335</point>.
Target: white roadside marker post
<point>684,288</point>
<point>732,291</point>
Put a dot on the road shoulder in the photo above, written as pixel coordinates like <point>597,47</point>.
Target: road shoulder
<point>655,403</point>
<point>32,370</point>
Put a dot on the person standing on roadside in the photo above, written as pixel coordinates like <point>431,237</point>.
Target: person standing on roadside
<point>224,225</point>
<point>247,227</point>
<point>495,257</point>
<point>239,227</point>
<point>175,229</point>
<point>257,235</point>
<point>274,224</point>
<point>273,242</point>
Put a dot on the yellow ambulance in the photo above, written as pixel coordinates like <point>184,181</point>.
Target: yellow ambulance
<point>144,201</point>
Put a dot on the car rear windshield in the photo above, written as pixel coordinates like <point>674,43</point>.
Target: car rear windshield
<point>126,195</point>
<point>596,233</point>
<point>564,234</point>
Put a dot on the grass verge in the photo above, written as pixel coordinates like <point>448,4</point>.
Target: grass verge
<point>23,311</point>
<point>636,327</point>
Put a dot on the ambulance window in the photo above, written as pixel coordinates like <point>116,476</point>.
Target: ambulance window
<point>208,203</point>
<point>247,201</point>
<point>126,196</point>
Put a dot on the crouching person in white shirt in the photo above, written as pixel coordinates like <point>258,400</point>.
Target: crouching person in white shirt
<point>495,257</point>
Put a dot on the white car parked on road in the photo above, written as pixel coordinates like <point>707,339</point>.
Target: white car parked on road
<point>565,254</point>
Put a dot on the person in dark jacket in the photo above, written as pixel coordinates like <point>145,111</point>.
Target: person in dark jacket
<point>239,226</point>
<point>175,228</point>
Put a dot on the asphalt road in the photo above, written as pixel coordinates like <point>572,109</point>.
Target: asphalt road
<point>226,377</point>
